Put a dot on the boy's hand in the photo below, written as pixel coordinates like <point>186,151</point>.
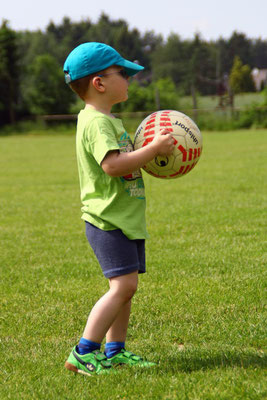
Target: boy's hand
<point>163,143</point>
<point>120,164</point>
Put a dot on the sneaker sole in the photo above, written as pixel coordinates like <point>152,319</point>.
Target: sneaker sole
<point>72,368</point>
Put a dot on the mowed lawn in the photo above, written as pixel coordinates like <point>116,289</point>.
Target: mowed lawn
<point>200,309</point>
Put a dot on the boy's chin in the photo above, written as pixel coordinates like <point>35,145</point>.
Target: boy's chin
<point>122,100</point>
<point>125,98</point>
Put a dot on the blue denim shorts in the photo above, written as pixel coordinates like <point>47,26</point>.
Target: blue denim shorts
<point>116,254</point>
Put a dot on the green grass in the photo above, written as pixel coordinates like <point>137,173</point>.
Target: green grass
<point>203,102</point>
<point>200,309</point>
<point>211,102</point>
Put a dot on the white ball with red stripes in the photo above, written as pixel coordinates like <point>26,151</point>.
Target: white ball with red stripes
<point>188,143</point>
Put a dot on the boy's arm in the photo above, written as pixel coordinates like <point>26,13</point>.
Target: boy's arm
<point>121,164</point>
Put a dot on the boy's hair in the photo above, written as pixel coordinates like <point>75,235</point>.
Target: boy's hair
<point>80,86</point>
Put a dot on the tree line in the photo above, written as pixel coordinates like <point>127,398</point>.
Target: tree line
<point>32,80</point>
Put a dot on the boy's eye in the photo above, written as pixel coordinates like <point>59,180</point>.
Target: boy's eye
<point>124,74</point>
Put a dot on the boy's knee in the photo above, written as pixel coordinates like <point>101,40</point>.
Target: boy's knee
<point>126,289</point>
<point>131,289</point>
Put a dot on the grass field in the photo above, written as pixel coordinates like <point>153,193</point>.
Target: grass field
<point>241,100</point>
<point>199,311</point>
<point>203,102</point>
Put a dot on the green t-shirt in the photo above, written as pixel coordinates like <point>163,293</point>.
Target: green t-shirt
<point>108,202</point>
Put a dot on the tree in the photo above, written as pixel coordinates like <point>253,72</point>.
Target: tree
<point>47,92</point>
<point>9,74</point>
<point>194,66</point>
<point>240,77</point>
<point>259,54</point>
<point>240,45</point>
<point>170,59</point>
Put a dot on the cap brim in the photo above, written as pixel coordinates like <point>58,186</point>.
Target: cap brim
<point>130,67</point>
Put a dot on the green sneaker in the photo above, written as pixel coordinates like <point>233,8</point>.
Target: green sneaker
<point>126,357</point>
<point>94,363</point>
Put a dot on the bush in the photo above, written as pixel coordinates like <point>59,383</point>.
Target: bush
<point>161,94</point>
<point>165,94</point>
<point>140,98</point>
<point>240,77</point>
<point>254,116</point>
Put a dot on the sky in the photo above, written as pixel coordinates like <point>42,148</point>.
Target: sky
<point>211,18</point>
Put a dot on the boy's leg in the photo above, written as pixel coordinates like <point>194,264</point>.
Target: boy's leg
<point>102,316</point>
<point>116,335</point>
<point>115,339</point>
<point>118,330</point>
<point>108,307</point>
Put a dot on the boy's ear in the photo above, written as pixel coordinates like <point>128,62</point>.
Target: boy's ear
<point>98,85</point>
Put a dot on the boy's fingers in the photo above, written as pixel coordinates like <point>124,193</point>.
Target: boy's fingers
<point>164,131</point>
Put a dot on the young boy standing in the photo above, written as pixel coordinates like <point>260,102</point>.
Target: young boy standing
<point>113,198</point>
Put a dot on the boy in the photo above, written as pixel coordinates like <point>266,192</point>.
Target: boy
<point>112,194</point>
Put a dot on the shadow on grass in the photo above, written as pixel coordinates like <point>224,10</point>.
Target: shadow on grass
<point>190,361</point>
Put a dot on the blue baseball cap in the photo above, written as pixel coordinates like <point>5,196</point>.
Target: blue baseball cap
<point>91,57</point>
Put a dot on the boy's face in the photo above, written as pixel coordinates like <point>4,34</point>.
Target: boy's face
<point>116,84</point>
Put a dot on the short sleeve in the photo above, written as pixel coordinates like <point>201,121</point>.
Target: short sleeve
<point>100,138</point>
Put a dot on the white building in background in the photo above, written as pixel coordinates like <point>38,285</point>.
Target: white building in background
<point>260,78</point>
